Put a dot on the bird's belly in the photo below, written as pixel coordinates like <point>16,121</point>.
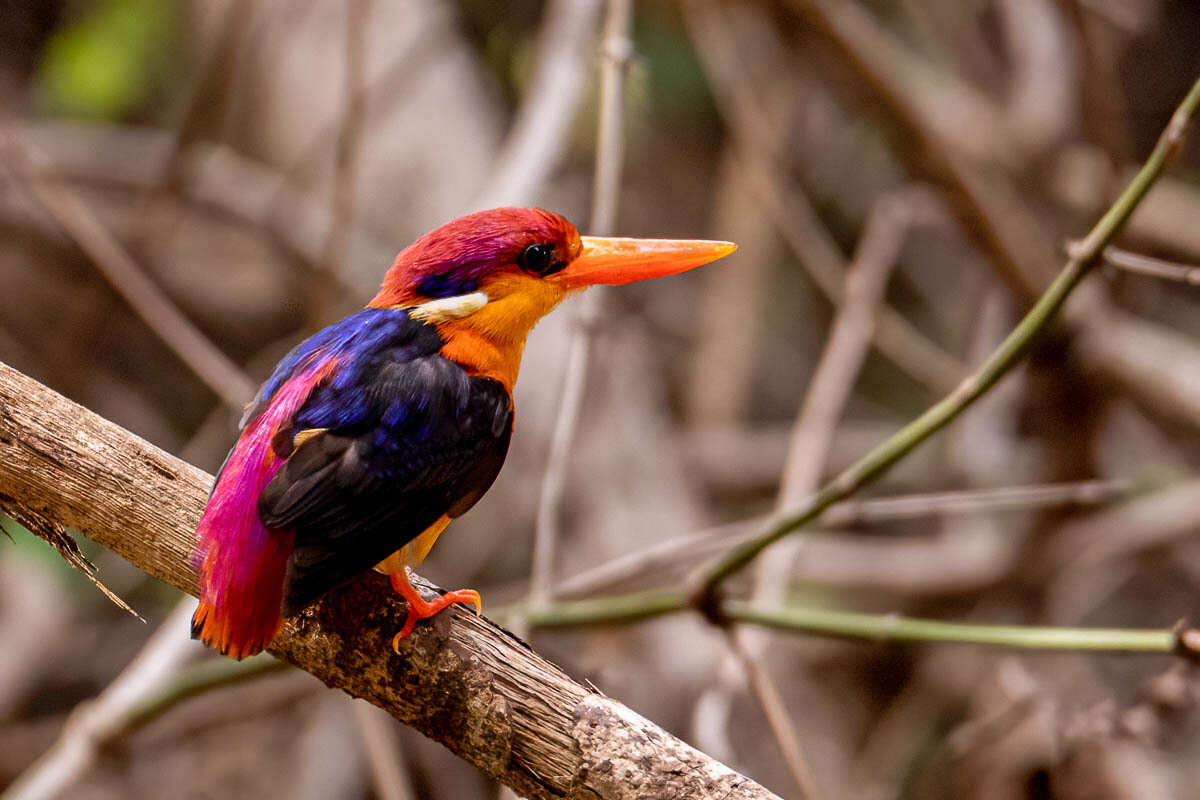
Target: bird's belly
<point>413,553</point>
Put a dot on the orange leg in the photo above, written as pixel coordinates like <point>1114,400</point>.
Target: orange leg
<point>419,608</point>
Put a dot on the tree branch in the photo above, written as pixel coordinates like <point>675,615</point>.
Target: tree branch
<point>94,724</point>
<point>610,156</point>
<point>856,625</point>
<point>893,627</point>
<point>665,558</point>
<point>461,680</point>
<point>118,267</point>
<point>1149,265</point>
<point>538,138</point>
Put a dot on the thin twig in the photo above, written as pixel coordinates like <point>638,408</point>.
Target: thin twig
<point>95,723</point>
<point>538,138</point>
<point>392,781</point>
<point>775,711</point>
<point>893,627</point>
<point>332,265</point>
<point>682,552</point>
<point>877,252</point>
<point>546,528</point>
<point>978,501</point>
<point>873,627</point>
<point>1149,265</point>
<point>793,216</point>
<point>830,389</point>
<point>609,158</point>
<point>837,370</point>
<point>117,266</point>
<point>1155,519</point>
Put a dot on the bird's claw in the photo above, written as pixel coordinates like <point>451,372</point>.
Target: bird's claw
<point>419,609</point>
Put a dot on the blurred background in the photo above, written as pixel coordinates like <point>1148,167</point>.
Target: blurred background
<point>262,162</point>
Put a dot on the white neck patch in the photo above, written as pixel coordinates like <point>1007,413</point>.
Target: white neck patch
<point>446,309</point>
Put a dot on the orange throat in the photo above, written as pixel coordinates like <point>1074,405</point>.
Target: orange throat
<point>490,341</point>
<point>481,355</point>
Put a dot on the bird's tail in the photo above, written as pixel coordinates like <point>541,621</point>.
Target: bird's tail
<point>239,604</point>
<point>242,563</point>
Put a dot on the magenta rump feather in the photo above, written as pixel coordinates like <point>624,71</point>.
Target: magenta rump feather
<point>242,563</point>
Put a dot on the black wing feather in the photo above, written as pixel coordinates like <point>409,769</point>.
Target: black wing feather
<point>431,442</point>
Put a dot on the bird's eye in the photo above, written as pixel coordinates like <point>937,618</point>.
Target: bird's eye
<point>540,260</point>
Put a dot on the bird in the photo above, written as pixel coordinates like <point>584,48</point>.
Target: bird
<point>372,434</point>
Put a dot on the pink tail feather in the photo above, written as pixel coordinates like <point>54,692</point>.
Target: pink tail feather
<point>242,564</point>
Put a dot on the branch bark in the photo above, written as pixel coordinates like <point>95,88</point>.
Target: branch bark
<point>461,680</point>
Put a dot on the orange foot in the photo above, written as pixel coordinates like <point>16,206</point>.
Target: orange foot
<point>419,608</point>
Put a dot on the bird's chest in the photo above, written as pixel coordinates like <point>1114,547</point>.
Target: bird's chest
<point>484,356</point>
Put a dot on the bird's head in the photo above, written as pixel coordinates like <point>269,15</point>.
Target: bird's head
<point>499,271</point>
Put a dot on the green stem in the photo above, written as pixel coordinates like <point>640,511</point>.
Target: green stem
<point>873,627</point>
<point>890,627</point>
<point>210,674</point>
<point>625,608</point>
<point>1083,257</point>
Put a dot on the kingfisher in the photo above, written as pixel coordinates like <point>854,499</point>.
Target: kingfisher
<point>374,433</point>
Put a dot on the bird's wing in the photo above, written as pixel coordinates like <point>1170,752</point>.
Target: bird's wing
<point>381,451</point>
<point>242,563</point>
<point>318,353</point>
<point>299,357</point>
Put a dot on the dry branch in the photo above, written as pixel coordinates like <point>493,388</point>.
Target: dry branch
<point>610,156</point>
<point>1149,265</point>
<point>788,208</point>
<point>322,292</point>
<point>461,680</point>
<point>118,267</point>
<point>1122,350</point>
<point>93,725</point>
<point>538,138</point>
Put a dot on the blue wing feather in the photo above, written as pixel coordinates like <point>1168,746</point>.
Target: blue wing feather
<point>408,436</point>
<point>354,340</point>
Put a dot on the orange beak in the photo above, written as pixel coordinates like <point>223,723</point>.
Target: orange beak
<point>616,260</point>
